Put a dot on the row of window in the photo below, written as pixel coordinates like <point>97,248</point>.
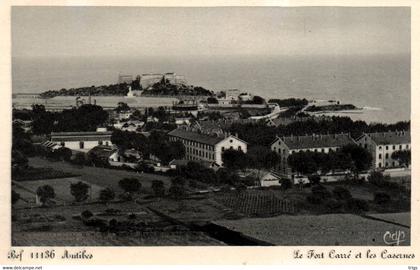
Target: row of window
<point>387,164</point>
<point>322,150</point>
<point>195,144</point>
<point>82,144</point>
<point>200,153</point>
<point>394,147</point>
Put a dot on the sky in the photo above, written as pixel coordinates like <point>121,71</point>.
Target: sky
<point>221,31</point>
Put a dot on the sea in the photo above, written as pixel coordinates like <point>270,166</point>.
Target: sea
<point>380,84</point>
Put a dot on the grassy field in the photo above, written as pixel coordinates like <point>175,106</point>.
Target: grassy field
<point>61,188</point>
<point>101,176</point>
<point>334,229</point>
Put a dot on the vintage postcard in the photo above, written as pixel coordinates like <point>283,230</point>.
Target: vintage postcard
<point>209,132</point>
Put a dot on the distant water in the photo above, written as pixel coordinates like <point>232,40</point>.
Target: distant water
<point>380,84</point>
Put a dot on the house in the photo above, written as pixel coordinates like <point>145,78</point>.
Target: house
<point>82,140</point>
<point>323,143</point>
<point>263,178</point>
<point>382,144</point>
<point>206,147</point>
<point>26,125</point>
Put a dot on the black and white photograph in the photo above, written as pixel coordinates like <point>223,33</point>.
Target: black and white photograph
<point>210,126</point>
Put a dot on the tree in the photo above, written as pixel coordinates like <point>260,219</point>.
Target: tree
<point>79,159</point>
<point>361,158</point>
<point>403,157</point>
<point>302,162</point>
<point>130,185</point>
<point>106,195</point>
<point>178,189</point>
<point>235,159</point>
<point>158,188</point>
<point>64,153</point>
<point>45,194</point>
<point>285,183</point>
<point>15,197</point>
<point>122,107</point>
<point>212,100</point>
<point>80,191</point>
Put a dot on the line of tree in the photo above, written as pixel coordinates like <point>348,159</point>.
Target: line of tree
<point>350,157</point>
<point>103,90</point>
<point>261,134</point>
<point>289,102</point>
<point>157,144</point>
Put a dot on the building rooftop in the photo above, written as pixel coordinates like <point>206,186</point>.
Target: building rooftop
<point>81,136</point>
<point>196,137</point>
<point>391,137</point>
<point>317,141</point>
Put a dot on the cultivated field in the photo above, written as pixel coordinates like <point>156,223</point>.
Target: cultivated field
<point>334,229</point>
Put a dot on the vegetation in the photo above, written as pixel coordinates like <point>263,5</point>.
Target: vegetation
<point>178,188</point>
<point>104,90</point>
<point>349,157</point>
<point>106,195</point>
<point>15,197</point>
<point>80,191</point>
<point>289,102</point>
<point>403,157</point>
<point>158,188</point>
<point>165,88</point>
<point>260,134</point>
<point>335,107</point>
<point>130,185</point>
<point>45,194</point>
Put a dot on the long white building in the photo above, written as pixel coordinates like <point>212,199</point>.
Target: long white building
<point>204,147</point>
<point>382,144</point>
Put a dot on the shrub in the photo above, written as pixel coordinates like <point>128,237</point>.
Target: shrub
<point>126,196</point>
<point>314,179</point>
<point>376,178</point>
<point>15,197</point>
<point>382,198</point>
<point>106,195</point>
<point>285,183</point>
<point>314,199</point>
<point>132,216</point>
<point>45,194</point>
<point>334,206</point>
<point>356,205</point>
<point>79,191</point>
<point>158,188</point>
<point>86,214</point>
<point>321,192</point>
<point>95,222</point>
<point>79,159</point>
<point>341,193</point>
<point>130,184</point>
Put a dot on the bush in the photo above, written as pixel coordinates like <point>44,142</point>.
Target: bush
<point>86,214</point>
<point>15,197</point>
<point>79,191</point>
<point>285,183</point>
<point>106,195</point>
<point>376,178</point>
<point>79,159</point>
<point>341,193</point>
<point>321,192</point>
<point>314,199</point>
<point>132,216</point>
<point>130,184</point>
<point>158,188</point>
<point>126,196</point>
<point>356,205</point>
<point>382,198</point>
<point>95,222</point>
<point>45,194</point>
<point>334,206</point>
<point>314,179</point>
